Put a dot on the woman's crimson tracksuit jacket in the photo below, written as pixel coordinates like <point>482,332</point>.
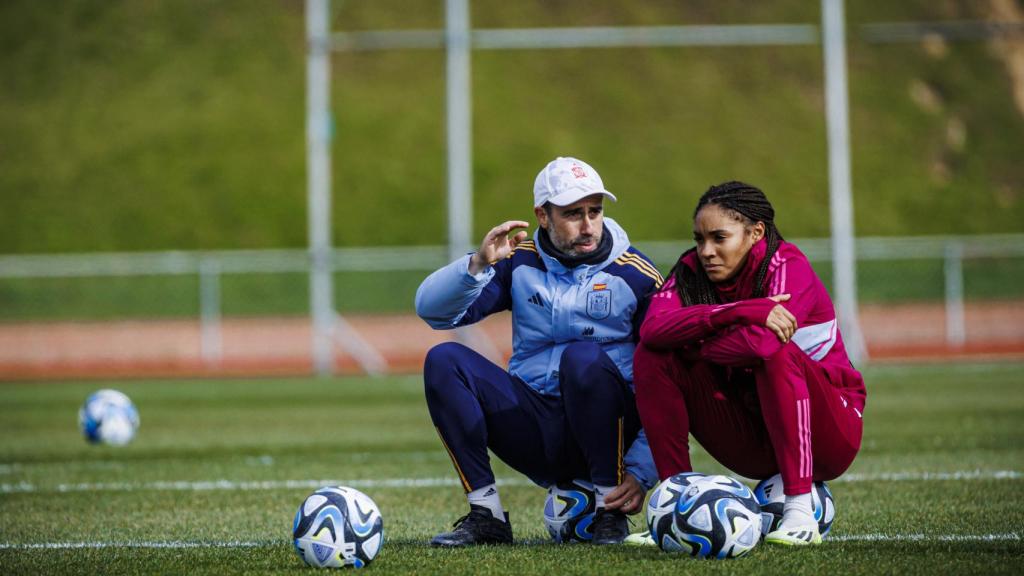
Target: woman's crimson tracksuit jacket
<point>758,406</point>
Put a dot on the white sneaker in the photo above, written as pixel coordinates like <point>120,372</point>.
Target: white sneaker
<point>640,539</point>
<point>795,536</point>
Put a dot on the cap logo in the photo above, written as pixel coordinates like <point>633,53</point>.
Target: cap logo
<point>578,171</point>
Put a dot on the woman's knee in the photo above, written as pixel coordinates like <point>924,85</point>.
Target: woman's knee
<point>650,365</point>
<point>784,363</point>
<point>651,358</point>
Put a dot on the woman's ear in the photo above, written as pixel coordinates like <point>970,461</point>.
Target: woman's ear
<point>757,231</point>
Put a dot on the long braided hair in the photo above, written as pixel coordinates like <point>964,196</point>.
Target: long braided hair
<point>751,205</point>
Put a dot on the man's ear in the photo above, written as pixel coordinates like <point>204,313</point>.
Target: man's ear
<point>542,216</point>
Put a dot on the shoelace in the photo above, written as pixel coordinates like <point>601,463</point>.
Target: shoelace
<point>629,520</point>
<point>458,522</point>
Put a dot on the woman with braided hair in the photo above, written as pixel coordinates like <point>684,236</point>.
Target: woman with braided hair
<point>741,348</point>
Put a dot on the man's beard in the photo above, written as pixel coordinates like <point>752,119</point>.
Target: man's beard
<point>569,248</point>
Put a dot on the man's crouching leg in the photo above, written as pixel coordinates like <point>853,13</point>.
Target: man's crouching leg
<point>602,417</point>
<point>454,377</point>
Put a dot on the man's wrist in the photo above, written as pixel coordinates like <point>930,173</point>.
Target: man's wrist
<point>476,264</point>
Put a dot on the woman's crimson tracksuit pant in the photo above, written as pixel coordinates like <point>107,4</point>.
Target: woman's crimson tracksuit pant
<point>788,415</point>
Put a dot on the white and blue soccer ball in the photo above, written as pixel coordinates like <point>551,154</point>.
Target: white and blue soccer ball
<point>337,526</point>
<point>661,506</point>
<point>770,496</point>
<point>569,511</point>
<point>715,517</point>
<point>108,417</point>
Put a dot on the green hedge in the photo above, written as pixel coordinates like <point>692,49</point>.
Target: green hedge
<point>179,124</point>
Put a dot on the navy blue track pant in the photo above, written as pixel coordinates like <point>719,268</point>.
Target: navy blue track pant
<point>584,433</point>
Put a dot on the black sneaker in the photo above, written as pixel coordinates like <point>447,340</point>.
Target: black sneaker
<point>477,527</point>
<point>610,527</point>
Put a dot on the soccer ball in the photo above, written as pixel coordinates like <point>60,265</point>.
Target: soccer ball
<point>770,496</point>
<point>569,511</point>
<point>108,417</point>
<point>338,526</point>
<point>716,517</point>
<point>662,505</point>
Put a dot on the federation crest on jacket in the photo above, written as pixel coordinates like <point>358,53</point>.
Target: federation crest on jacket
<point>599,302</point>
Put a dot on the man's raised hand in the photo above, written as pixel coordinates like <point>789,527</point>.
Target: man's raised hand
<point>497,244</point>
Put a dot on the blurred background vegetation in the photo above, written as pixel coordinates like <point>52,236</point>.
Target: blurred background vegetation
<point>172,124</point>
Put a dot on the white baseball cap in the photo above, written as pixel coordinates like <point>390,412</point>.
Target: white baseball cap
<point>566,180</point>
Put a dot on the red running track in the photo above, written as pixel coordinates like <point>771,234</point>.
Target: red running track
<point>281,346</point>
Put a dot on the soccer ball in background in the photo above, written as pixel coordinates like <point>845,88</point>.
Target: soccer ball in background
<point>108,417</point>
<point>569,511</point>
<point>772,499</point>
<point>715,517</point>
<point>338,526</point>
<point>662,505</point>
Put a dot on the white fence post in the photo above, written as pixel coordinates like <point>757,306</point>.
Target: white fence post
<point>953,268</point>
<point>844,263</point>
<point>210,338</point>
<point>318,141</point>
<point>459,120</point>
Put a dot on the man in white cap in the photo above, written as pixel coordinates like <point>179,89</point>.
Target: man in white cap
<point>564,410</point>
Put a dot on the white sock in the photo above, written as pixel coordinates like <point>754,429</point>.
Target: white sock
<point>600,492</point>
<point>798,511</point>
<point>488,498</point>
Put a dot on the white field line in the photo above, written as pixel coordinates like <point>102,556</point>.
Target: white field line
<point>23,487</point>
<point>1007,537</point>
<point>185,486</point>
<point>174,545</point>
<point>932,476</point>
<point>178,545</point>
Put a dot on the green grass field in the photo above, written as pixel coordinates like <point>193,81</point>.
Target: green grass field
<point>218,469</point>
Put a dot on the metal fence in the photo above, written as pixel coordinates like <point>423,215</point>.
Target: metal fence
<point>208,269</point>
<point>460,39</point>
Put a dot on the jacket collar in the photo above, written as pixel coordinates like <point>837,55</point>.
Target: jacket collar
<point>620,242</point>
